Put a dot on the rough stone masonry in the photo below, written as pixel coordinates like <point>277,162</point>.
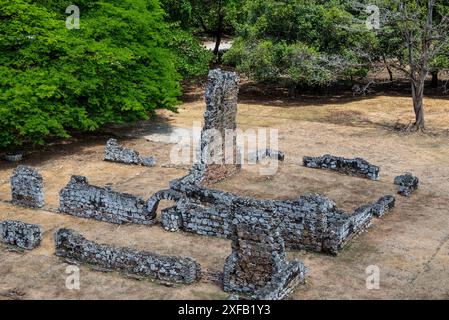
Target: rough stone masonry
<point>27,187</point>
<point>356,167</point>
<point>218,134</point>
<point>117,153</point>
<point>72,245</point>
<point>311,222</point>
<point>20,234</point>
<point>407,184</point>
<point>257,265</point>
<point>81,199</point>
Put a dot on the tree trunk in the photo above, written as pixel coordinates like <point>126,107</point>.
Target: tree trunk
<point>390,72</point>
<point>418,103</point>
<point>218,35</point>
<point>435,79</point>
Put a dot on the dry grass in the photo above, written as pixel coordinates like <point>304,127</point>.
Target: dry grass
<point>410,245</point>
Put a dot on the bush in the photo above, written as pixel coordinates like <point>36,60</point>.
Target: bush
<point>53,80</point>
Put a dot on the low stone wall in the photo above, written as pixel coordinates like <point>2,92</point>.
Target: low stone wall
<point>407,184</point>
<point>117,153</point>
<point>81,199</point>
<point>379,208</point>
<point>356,167</point>
<point>20,234</point>
<point>312,222</point>
<point>74,246</point>
<point>27,187</point>
<point>266,153</point>
<point>257,265</point>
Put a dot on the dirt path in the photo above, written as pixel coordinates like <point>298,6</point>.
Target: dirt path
<point>410,245</point>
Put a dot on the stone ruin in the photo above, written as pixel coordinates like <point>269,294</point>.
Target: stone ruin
<point>74,246</point>
<point>20,234</point>
<point>81,199</point>
<point>257,265</point>
<point>267,153</point>
<point>407,184</point>
<point>27,187</point>
<point>379,208</point>
<point>219,119</point>
<point>117,153</point>
<point>356,167</point>
<point>260,230</point>
<point>311,222</point>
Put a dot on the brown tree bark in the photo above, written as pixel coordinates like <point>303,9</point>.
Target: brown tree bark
<point>418,103</point>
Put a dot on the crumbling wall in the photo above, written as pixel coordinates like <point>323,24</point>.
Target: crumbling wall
<point>379,208</point>
<point>20,234</point>
<point>356,167</point>
<point>312,222</point>
<point>219,119</point>
<point>81,199</point>
<point>257,265</point>
<point>117,153</point>
<point>72,245</point>
<point>27,187</point>
<point>407,184</point>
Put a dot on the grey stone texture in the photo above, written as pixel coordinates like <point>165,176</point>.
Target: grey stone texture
<point>220,117</point>
<point>81,199</point>
<point>356,167</point>
<point>13,157</point>
<point>311,222</point>
<point>407,184</point>
<point>74,246</point>
<point>27,187</point>
<point>267,153</point>
<point>257,265</point>
<point>20,234</point>
<point>382,206</point>
<point>117,153</point>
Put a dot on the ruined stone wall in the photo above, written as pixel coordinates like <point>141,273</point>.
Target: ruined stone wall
<point>20,234</point>
<point>27,187</point>
<point>257,265</point>
<point>221,110</point>
<point>312,222</point>
<point>74,246</point>
<point>356,167</point>
<point>117,153</point>
<point>407,184</point>
<point>81,199</point>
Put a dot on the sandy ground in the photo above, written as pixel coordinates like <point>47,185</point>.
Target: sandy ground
<point>410,245</point>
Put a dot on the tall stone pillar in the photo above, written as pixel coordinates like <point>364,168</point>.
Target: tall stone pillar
<point>219,155</point>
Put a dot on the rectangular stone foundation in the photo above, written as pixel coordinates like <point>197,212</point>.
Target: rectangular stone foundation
<point>312,222</point>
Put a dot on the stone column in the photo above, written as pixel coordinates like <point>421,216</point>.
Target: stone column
<point>218,158</point>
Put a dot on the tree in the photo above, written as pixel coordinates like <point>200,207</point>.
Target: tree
<point>210,17</point>
<point>115,68</point>
<point>423,26</point>
<point>299,42</point>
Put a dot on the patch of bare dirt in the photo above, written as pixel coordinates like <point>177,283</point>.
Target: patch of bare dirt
<point>410,245</point>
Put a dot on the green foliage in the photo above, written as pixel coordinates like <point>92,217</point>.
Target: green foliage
<point>115,68</point>
<point>191,58</point>
<point>302,42</point>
